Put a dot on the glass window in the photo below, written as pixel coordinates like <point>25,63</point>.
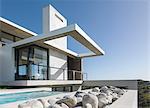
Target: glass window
<point>40,57</point>
<point>23,56</point>
<point>22,70</point>
<point>32,61</point>
<point>8,38</point>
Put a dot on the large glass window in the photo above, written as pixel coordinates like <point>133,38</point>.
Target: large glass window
<point>7,38</point>
<point>32,63</point>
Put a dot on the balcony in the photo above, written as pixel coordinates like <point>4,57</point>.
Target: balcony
<point>40,72</point>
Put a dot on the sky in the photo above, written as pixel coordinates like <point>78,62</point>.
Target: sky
<point>120,27</point>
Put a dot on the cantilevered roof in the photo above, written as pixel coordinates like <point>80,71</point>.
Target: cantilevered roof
<point>14,29</point>
<point>72,30</point>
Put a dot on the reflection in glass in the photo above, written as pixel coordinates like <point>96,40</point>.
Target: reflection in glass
<point>22,70</point>
<point>32,63</point>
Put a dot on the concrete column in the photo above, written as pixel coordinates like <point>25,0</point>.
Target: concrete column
<point>53,20</point>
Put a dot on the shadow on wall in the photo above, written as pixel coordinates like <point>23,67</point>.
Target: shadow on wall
<point>58,71</point>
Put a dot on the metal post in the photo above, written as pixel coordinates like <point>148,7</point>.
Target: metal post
<point>49,73</point>
<point>73,75</point>
<point>63,74</point>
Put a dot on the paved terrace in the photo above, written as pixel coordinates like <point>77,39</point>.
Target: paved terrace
<point>128,100</point>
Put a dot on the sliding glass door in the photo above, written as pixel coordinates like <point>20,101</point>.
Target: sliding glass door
<point>32,63</point>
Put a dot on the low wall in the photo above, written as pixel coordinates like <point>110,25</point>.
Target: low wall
<point>129,84</point>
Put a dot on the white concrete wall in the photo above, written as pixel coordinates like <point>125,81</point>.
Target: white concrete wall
<point>53,20</point>
<point>7,64</point>
<point>130,84</point>
<point>58,60</point>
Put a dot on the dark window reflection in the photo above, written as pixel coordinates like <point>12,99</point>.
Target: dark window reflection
<point>32,63</point>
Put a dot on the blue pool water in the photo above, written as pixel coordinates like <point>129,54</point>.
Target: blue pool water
<point>14,97</point>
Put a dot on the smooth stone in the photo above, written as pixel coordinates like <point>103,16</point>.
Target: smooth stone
<point>69,101</point>
<point>78,107</point>
<point>25,105</point>
<point>37,104</point>
<point>53,101</point>
<point>114,96</point>
<point>88,105</point>
<point>110,99</point>
<point>121,92</point>
<point>44,102</point>
<point>94,93</point>
<point>64,105</point>
<point>102,100</point>
<point>55,106</point>
<point>116,90</point>
<point>91,99</point>
<point>32,104</point>
<point>96,89</point>
<point>79,99</point>
<point>80,94</point>
<point>108,92</point>
<point>104,88</point>
<point>112,87</point>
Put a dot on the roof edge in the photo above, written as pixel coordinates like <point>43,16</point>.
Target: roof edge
<point>17,26</point>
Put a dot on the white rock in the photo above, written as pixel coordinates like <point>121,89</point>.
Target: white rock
<point>108,92</point>
<point>112,87</point>
<point>108,95</point>
<point>104,88</point>
<point>96,89</point>
<point>116,90</point>
<point>80,94</point>
<point>124,90</point>
<point>55,106</point>
<point>121,92</point>
<point>68,96</point>
<point>78,107</point>
<point>25,105</point>
<point>91,99</point>
<point>88,105</point>
<point>94,93</point>
<point>69,101</point>
<point>102,100</point>
<point>114,96</point>
<point>79,99</point>
<point>64,105</point>
<point>110,99</point>
<point>52,101</point>
<point>32,104</point>
<point>37,104</point>
<point>44,102</point>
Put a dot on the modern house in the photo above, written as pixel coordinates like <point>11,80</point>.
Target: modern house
<point>30,59</point>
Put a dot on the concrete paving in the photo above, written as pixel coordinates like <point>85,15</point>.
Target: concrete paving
<point>6,91</point>
<point>128,100</point>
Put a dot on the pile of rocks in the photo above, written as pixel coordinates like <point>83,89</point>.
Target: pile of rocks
<point>95,98</point>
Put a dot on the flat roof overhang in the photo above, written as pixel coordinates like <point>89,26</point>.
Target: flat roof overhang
<point>72,30</point>
<point>14,29</point>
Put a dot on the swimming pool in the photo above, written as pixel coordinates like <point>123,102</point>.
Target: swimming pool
<point>14,97</point>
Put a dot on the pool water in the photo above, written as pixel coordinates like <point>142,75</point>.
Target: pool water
<point>14,97</point>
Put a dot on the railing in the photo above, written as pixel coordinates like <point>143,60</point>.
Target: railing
<point>64,74</point>
<point>40,72</point>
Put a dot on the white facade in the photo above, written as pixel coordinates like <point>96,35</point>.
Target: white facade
<point>53,20</point>
<point>54,39</point>
<point>7,64</point>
